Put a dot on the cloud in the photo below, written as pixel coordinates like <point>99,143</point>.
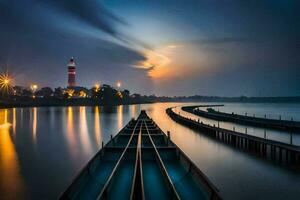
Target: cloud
<point>89,11</point>
<point>220,40</point>
<point>38,37</point>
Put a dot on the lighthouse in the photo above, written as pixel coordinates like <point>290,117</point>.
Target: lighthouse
<point>71,73</point>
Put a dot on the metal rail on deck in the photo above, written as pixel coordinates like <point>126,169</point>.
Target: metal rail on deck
<point>86,167</point>
<point>104,189</point>
<point>214,191</point>
<point>163,168</point>
<point>137,189</point>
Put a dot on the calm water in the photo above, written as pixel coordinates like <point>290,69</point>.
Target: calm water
<point>42,150</point>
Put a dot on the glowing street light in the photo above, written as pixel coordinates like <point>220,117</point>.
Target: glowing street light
<point>33,88</point>
<point>119,84</point>
<point>97,87</point>
<point>5,83</point>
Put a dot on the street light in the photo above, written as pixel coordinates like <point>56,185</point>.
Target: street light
<point>5,83</point>
<point>33,87</point>
<point>97,87</point>
<point>119,84</point>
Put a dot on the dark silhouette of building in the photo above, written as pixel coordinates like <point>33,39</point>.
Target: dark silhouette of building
<point>71,73</point>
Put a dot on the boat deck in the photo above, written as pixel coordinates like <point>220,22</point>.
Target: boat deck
<point>141,162</point>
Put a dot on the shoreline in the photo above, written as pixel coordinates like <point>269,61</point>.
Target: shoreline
<point>55,102</point>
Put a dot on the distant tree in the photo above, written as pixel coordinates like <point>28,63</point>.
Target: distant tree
<point>125,94</point>
<point>95,92</point>
<point>44,92</point>
<point>136,97</point>
<point>58,92</point>
<point>68,93</point>
<point>27,93</point>
<point>18,90</point>
<point>108,94</point>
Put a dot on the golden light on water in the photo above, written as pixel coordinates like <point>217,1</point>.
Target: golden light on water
<point>84,131</point>
<point>11,181</point>
<point>34,124</point>
<point>71,139</point>
<point>97,127</point>
<point>120,116</point>
<point>14,121</point>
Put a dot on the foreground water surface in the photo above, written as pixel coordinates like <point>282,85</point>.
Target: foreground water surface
<point>43,149</point>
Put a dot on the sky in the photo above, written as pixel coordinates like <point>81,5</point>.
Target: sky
<point>162,47</point>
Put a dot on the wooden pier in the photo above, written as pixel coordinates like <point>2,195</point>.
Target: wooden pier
<point>279,124</point>
<point>268,149</point>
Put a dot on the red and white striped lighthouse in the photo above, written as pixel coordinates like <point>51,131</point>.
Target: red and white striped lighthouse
<point>71,73</point>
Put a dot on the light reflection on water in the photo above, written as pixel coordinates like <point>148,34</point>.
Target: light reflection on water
<point>42,149</point>
<point>97,125</point>
<point>34,124</point>
<point>11,180</point>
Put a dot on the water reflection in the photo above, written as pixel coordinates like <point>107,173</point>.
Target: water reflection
<point>70,131</point>
<point>34,124</point>
<point>120,116</point>
<point>97,127</point>
<point>84,132</point>
<point>133,110</point>
<point>14,121</point>
<point>71,135</point>
<point>11,182</point>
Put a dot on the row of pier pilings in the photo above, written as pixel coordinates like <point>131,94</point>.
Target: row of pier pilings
<point>268,149</point>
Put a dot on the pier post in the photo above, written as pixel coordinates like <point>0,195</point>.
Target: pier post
<point>291,138</point>
<point>265,134</point>
<point>246,131</point>
<point>271,152</point>
<point>293,157</point>
<point>102,150</point>
<point>242,143</point>
<point>264,149</point>
<point>280,154</point>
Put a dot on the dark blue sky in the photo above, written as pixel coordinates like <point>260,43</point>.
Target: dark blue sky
<point>166,47</point>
